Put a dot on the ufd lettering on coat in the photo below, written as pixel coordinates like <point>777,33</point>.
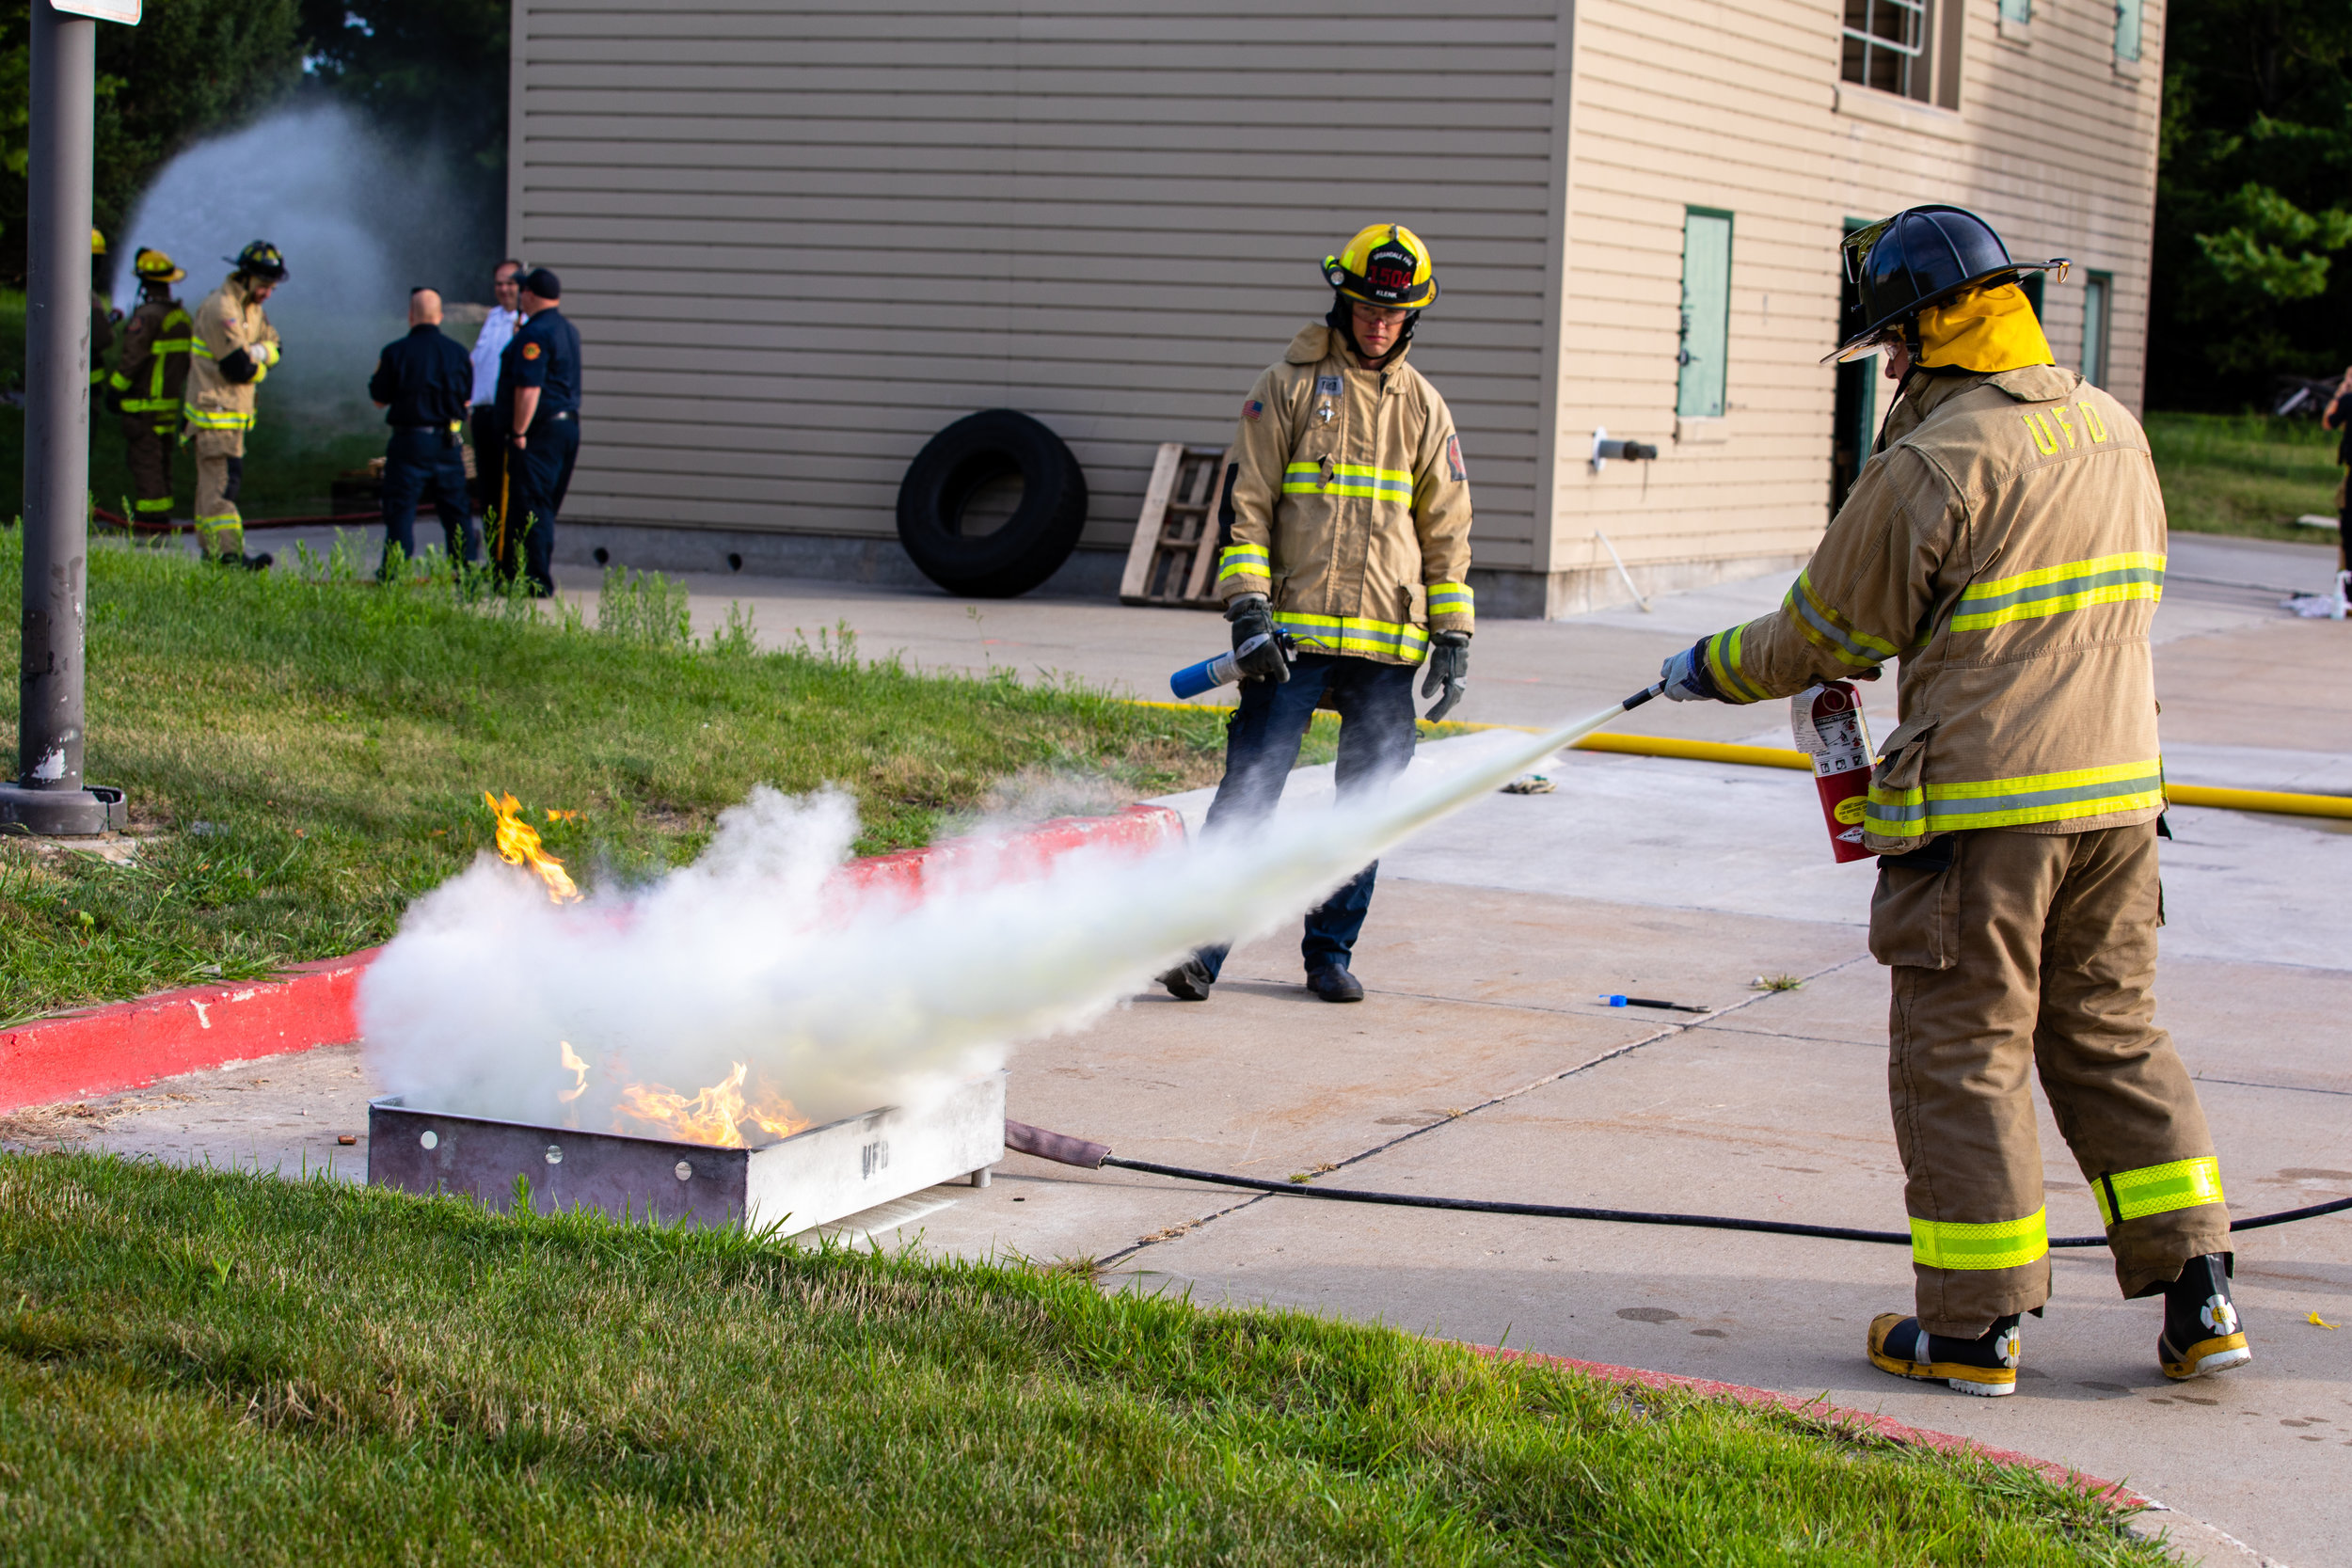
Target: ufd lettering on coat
<point>2049,425</point>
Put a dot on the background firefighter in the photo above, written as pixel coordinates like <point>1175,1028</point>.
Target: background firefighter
<point>149,384</point>
<point>232,348</point>
<point>102,315</point>
<point>1349,518</point>
<point>2006,544</point>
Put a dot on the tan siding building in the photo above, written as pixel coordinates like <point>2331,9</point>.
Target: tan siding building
<point>799,238</point>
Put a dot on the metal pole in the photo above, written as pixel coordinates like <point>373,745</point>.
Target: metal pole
<point>48,795</point>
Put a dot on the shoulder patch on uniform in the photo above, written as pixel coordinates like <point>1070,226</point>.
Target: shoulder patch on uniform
<point>1326,385</point>
<point>1453,460</point>
<point>1253,409</point>
<point>531,351</point>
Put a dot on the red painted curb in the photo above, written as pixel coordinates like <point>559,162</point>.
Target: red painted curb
<point>1855,1421</point>
<point>128,1045</point>
<point>131,1044</point>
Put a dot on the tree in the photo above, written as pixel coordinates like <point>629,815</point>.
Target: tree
<point>189,68</point>
<point>2252,272</point>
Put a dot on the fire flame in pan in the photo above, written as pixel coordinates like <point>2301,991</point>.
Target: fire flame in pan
<point>720,1116</point>
<point>519,844</point>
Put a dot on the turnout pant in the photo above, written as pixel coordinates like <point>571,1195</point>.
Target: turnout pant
<point>2035,950</point>
<point>420,464</point>
<point>220,475</point>
<point>147,447</point>
<point>1262,740</point>
<point>536,479</point>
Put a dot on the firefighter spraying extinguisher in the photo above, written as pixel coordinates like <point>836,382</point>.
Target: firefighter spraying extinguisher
<point>1831,732</point>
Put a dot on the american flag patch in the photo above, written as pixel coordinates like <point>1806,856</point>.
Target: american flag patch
<point>1253,409</point>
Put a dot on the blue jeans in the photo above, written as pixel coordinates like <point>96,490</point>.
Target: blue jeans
<point>1262,740</point>
<point>417,464</point>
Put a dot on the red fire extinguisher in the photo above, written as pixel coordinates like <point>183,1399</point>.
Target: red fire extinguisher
<point>1829,730</point>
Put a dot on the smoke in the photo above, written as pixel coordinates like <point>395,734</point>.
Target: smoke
<point>840,1002</point>
<point>359,220</point>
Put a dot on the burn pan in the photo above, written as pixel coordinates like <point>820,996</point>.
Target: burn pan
<point>813,1178</point>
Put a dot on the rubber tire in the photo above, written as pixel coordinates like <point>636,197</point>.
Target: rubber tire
<point>1035,540</point>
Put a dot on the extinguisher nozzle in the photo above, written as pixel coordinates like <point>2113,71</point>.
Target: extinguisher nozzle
<point>1643,696</point>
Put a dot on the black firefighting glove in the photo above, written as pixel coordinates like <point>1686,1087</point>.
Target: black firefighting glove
<point>114,400</point>
<point>1257,646</point>
<point>1448,665</point>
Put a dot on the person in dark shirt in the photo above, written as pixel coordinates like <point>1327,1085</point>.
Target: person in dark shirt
<point>425,382</point>
<point>538,402</point>
<point>2339,417</point>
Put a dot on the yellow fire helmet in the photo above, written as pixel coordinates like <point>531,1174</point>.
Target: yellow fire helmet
<point>97,242</point>
<point>1385,265</point>
<point>153,266</point>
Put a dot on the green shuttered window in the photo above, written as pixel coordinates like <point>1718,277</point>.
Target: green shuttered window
<point>1705,313</point>
<point>2127,14</point>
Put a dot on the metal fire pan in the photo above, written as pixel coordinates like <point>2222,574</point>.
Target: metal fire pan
<point>810,1178</point>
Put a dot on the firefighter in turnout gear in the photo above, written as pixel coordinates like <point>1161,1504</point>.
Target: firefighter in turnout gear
<point>2006,543</point>
<point>1343,570</point>
<point>147,387</point>
<point>102,315</point>
<point>232,349</point>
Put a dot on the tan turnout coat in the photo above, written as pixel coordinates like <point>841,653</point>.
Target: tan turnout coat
<point>2007,546</point>
<point>230,318</point>
<point>1351,506</point>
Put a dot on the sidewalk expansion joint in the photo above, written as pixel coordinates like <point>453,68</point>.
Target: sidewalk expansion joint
<point>1664,1032</point>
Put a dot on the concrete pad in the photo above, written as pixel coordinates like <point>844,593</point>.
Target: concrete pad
<point>281,1114</point>
<point>1778,1125</point>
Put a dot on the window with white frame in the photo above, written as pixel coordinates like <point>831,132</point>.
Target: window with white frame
<point>1886,47</point>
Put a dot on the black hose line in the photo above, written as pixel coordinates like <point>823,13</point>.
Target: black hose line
<point>1625,1216</point>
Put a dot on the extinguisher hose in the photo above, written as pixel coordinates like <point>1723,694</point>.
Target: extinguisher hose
<point>1065,1150</point>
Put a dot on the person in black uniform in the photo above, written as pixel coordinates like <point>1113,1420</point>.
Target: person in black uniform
<point>539,404</point>
<point>425,380</point>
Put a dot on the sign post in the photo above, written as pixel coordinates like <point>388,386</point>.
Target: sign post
<point>49,796</point>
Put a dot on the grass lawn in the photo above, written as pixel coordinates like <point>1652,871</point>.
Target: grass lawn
<point>308,756</point>
<point>2246,474</point>
<point>198,1366</point>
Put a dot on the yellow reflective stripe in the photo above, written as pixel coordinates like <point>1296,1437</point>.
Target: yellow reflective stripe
<point>1244,561</point>
<point>196,346</point>
<point>157,503</point>
<point>2055,590</point>
<point>2006,1245</point>
<point>1350,634</point>
<point>1349,479</point>
<point>1451,598</point>
<point>149,405</point>
<point>2012,802</point>
<point>219,520</point>
<point>169,345</point>
<point>1723,662</point>
<point>2135,1195</point>
<point>216,419</point>
<point>1826,629</point>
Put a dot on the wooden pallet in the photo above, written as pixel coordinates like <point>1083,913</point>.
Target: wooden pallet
<point>1174,553</point>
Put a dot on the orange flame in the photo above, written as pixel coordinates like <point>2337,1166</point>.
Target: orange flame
<point>715,1116</point>
<point>519,844</point>
<point>573,1063</point>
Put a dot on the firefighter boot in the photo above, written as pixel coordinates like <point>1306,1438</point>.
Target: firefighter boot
<point>1189,981</point>
<point>2202,1332</point>
<point>1333,983</point>
<point>1987,1366</point>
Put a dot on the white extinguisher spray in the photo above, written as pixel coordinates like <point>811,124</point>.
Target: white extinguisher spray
<point>1829,730</point>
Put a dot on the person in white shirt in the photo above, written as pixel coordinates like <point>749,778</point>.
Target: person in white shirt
<point>498,328</point>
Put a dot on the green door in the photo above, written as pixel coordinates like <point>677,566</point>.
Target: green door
<point>1705,313</point>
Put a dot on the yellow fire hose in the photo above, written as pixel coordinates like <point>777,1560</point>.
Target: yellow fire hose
<point>2273,800</point>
